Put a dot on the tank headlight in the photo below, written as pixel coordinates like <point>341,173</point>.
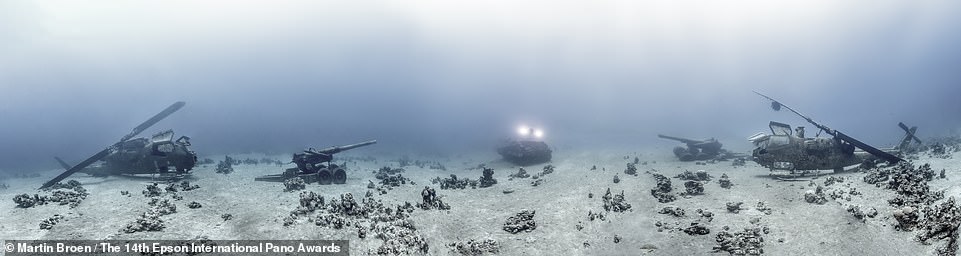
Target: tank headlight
<point>539,133</point>
<point>523,131</point>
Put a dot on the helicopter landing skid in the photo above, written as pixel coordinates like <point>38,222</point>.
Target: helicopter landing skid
<point>170,176</point>
<point>796,176</point>
<point>162,177</point>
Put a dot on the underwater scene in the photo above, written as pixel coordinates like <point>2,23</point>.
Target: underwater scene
<point>739,127</point>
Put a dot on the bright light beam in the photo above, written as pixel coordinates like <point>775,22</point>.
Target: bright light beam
<point>524,130</point>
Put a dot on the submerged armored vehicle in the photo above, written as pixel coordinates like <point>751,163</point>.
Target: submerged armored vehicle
<point>528,150</point>
<point>697,150</point>
<point>525,152</point>
<point>315,166</point>
<point>160,154</point>
<point>799,155</point>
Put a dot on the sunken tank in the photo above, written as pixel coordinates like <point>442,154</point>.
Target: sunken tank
<point>525,152</point>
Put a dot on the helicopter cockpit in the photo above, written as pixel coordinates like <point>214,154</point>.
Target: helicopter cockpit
<point>780,137</point>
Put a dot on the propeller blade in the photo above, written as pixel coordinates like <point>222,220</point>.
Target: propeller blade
<point>909,131</point>
<point>913,129</point>
<point>78,167</point>
<point>874,151</point>
<point>153,120</point>
<point>62,163</point>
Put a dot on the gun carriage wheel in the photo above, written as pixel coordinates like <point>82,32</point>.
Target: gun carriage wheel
<point>339,176</point>
<point>324,176</point>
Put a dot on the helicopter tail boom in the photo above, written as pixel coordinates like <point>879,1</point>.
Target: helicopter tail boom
<point>62,163</point>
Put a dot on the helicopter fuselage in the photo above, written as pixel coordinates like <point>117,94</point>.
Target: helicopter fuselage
<point>783,150</point>
<point>158,155</point>
<point>792,153</point>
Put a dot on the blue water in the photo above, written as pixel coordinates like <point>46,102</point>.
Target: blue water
<point>277,77</point>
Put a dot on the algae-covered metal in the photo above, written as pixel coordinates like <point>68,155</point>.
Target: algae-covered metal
<point>696,150</point>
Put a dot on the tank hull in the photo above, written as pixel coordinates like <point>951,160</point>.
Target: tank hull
<point>525,152</point>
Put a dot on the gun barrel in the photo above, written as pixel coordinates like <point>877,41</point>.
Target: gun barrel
<point>338,149</point>
<point>687,141</point>
<point>271,178</point>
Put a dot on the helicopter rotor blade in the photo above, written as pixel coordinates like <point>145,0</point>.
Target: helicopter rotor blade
<point>874,151</point>
<point>153,120</point>
<point>62,163</point>
<point>777,105</point>
<point>78,167</point>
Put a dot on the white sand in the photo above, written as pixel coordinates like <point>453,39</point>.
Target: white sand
<point>560,202</point>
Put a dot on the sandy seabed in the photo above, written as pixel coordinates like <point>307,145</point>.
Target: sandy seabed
<point>561,203</point>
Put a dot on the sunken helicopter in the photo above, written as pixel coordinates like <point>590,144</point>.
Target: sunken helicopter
<point>316,166</point>
<point>784,150</point>
<point>160,154</point>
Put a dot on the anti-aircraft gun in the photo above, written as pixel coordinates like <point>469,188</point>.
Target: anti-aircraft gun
<point>696,149</point>
<point>315,165</point>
